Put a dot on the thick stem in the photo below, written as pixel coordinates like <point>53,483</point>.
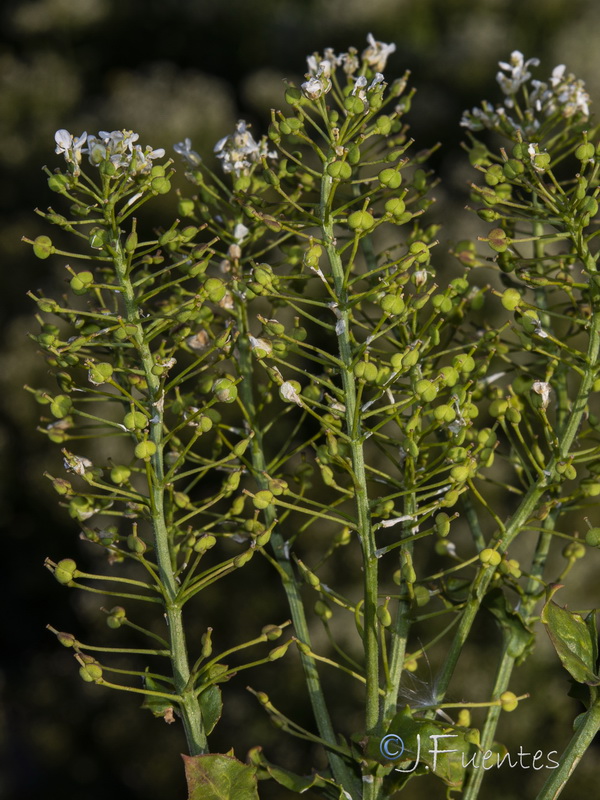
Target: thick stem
<point>354,430</point>
<point>587,729</point>
<point>189,707</point>
<point>341,772</point>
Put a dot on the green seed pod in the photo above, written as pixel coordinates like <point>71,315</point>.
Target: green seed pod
<point>448,376</point>
<point>120,474</point>
<point>116,617</point>
<point>323,610</point>
<point>272,632</point>
<point>460,473</point>
<point>61,406</point>
<point>574,551</point>
<point>513,415</point>
<point>204,543</point>
<point>135,421</point>
<point>390,177</point>
<point>511,299</point>
<point>262,499</point>
<point>592,537</point>
<point>145,450</point>
<point>43,247</point>
<point>392,304</point>
<point>243,558</point>
<point>498,240</point>
<point>160,185</point>
<point>442,524</point>
<point>135,544</point>
<point>441,303</point>
<point>225,390</point>
<point>91,672</point>
<point>81,282</point>
<point>340,170</point>
<point>65,571</point>
<point>426,390</point>
<point>354,105</point>
<point>512,169</point>
<point>585,152</point>
<point>66,639</point>
<point>490,557</point>
<point>395,206</point>
<point>420,251</point>
<point>444,413</point>
<point>384,616</point>
<point>463,363</point>
<point>360,221</point>
<point>353,154</point>
<point>215,289</point>
<point>508,701</point>
<point>422,596</point>
<point>411,358</point>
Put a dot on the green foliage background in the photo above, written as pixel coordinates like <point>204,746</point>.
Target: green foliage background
<point>191,68</point>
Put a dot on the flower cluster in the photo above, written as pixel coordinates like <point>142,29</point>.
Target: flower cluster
<point>321,68</point>
<point>239,151</point>
<point>116,147</point>
<point>562,94</point>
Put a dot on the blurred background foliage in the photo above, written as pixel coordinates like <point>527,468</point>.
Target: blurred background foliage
<point>190,68</point>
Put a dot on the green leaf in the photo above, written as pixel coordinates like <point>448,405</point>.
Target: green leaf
<point>520,638</point>
<point>159,706</point>
<point>573,640</point>
<point>211,706</point>
<point>421,741</point>
<point>219,777</point>
<point>296,783</point>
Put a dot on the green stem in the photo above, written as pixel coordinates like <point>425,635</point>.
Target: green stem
<point>588,727</point>
<point>342,773</point>
<point>355,432</point>
<point>189,705</point>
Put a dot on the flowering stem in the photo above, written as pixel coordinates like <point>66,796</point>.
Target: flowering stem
<point>183,680</point>
<point>340,770</point>
<point>356,436</point>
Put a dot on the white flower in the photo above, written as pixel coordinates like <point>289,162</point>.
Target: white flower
<point>517,67</point>
<point>71,147</point>
<point>359,88</point>
<point>314,88</point>
<point>184,149</point>
<point>239,151</point>
<point>376,54</point>
<point>570,95</point>
<point>240,232</point>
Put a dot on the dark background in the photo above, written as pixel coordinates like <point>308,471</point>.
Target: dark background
<point>169,70</point>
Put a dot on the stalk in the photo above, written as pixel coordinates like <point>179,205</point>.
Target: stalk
<point>189,706</point>
<point>355,432</point>
<point>341,772</point>
<point>587,729</point>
